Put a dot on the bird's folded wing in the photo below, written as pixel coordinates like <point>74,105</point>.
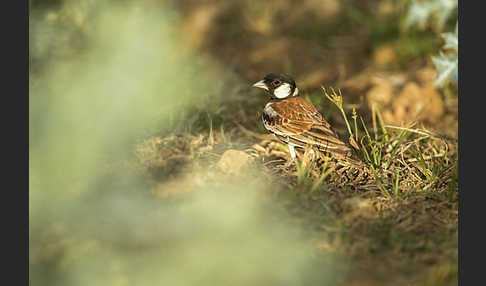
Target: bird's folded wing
<point>304,126</point>
<point>317,135</point>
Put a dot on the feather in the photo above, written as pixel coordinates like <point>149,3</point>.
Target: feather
<point>296,121</point>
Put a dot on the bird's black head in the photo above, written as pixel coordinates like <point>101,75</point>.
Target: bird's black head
<point>279,85</point>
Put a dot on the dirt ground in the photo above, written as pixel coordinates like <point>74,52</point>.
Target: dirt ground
<point>409,238</point>
<point>393,222</point>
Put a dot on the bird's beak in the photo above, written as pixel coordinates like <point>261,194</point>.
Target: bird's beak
<point>261,84</point>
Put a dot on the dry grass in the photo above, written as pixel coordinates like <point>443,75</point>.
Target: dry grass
<point>400,212</point>
<point>408,226</point>
<point>392,222</point>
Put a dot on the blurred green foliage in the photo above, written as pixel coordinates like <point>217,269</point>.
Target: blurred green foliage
<point>430,13</point>
<point>102,75</point>
<point>106,74</point>
<point>435,14</point>
<point>447,64</point>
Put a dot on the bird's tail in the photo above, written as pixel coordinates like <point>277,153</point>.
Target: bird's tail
<point>330,143</point>
<point>345,156</point>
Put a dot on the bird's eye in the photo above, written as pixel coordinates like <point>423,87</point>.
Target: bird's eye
<point>276,82</point>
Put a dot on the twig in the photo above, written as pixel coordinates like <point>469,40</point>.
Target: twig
<point>254,134</point>
<point>273,161</point>
<point>424,132</point>
<point>427,157</point>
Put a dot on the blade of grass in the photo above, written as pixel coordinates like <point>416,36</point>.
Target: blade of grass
<point>338,101</point>
<point>376,152</point>
<point>366,129</point>
<point>401,137</point>
<point>382,124</point>
<point>373,117</point>
<point>323,175</point>
<point>303,169</point>
<point>365,152</point>
<point>396,182</point>
<point>355,116</point>
<point>422,162</point>
<point>223,136</point>
<point>378,182</point>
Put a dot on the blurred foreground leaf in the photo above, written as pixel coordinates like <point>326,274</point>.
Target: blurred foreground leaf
<point>92,217</point>
<point>421,11</point>
<point>447,65</point>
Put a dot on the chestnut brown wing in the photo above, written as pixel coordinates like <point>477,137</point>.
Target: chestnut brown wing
<point>296,121</point>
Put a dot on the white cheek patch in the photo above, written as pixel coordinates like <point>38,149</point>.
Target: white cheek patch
<point>282,91</point>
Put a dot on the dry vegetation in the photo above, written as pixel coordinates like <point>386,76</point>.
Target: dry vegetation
<point>393,222</point>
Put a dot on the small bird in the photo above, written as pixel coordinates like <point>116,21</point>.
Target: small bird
<point>296,121</point>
